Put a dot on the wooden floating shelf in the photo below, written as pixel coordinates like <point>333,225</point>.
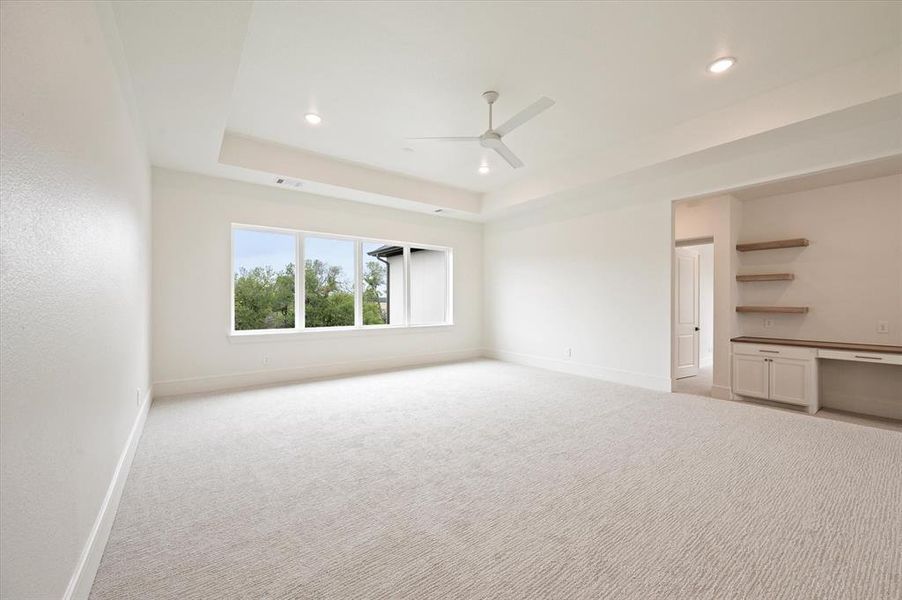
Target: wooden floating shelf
<point>766,277</point>
<point>796,243</point>
<point>772,309</point>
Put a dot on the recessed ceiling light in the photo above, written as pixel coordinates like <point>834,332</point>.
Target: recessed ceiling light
<point>407,149</point>
<point>313,118</point>
<point>483,169</point>
<point>721,65</point>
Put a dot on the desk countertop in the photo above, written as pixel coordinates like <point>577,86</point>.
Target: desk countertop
<point>815,344</point>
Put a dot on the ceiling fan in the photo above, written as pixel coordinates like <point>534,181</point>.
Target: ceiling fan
<point>492,137</point>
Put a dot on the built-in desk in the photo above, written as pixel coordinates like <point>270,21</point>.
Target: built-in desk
<point>785,370</point>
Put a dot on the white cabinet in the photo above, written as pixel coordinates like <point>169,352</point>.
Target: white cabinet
<point>750,377</point>
<point>777,373</point>
<point>789,380</point>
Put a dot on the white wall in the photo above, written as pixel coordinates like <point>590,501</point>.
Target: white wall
<point>596,281</point>
<point>192,350</point>
<point>75,240</point>
<point>851,274</point>
<point>716,218</point>
<point>705,302</point>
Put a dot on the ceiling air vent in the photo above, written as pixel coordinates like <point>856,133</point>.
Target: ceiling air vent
<point>294,184</point>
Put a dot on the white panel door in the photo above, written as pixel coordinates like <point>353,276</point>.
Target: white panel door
<point>750,376</point>
<point>789,380</point>
<point>686,327</point>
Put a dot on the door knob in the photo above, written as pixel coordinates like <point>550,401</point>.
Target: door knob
<point>696,328</point>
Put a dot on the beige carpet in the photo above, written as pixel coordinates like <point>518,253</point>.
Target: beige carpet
<point>487,480</point>
<point>700,384</point>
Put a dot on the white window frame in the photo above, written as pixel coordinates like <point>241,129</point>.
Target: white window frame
<point>299,282</point>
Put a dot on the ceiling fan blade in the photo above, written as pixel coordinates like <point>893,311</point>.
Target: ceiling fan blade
<point>444,139</point>
<point>524,115</point>
<point>505,152</point>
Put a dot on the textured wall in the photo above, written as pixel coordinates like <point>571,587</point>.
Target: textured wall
<point>74,235</point>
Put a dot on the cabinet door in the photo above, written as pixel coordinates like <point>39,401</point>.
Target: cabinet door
<point>789,380</point>
<point>750,376</point>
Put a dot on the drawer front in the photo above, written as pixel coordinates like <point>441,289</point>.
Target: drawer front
<point>772,351</point>
<point>879,358</point>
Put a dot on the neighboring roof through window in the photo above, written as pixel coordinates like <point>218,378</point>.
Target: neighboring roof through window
<point>386,251</point>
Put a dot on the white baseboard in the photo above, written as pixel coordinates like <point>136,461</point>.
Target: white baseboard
<point>216,383</point>
<point>643,380</point>
<point>722,392</point>
<point>82,579</point>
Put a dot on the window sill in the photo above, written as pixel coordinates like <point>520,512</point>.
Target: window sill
<point>328,332</point>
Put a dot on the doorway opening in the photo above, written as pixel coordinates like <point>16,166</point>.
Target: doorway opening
<point>693,319</point>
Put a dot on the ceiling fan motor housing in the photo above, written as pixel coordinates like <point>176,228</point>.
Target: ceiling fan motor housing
<point>490,96</point>
<point>486,139</point>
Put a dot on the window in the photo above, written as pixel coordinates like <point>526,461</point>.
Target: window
<point>263,284</point>
<point>348,283</point>
<point>428,286</point>
<point>328,282</point>
<point>383,284</point>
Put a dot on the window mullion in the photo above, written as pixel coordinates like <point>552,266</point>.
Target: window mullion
<point>358,281</point>
<point>406,286</point>
<point>232,277</point>
<point>449,286</point>
<point>300,314</point>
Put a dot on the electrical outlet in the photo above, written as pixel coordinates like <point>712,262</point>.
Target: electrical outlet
<point>768,323</point>
<point>882,326</point>
<point>265,360</point>
<point>568,353</point>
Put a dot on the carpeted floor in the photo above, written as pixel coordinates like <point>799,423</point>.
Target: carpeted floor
<point>699,385</point>
<point>488,480</point>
